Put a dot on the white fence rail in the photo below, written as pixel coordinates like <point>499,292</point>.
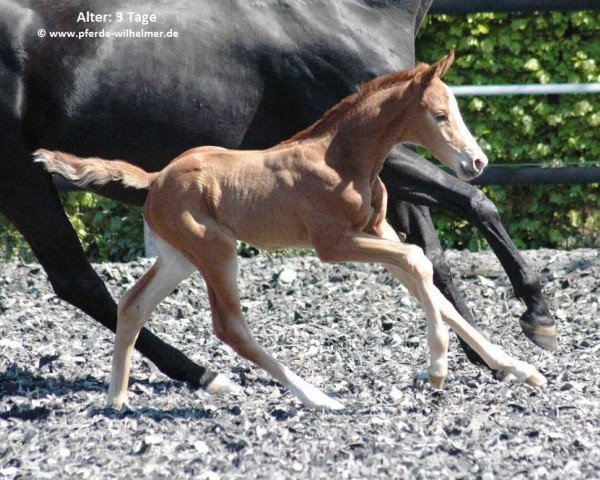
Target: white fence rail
<point>526,89</point>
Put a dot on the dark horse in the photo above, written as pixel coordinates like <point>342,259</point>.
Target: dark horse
<point>241,74</point>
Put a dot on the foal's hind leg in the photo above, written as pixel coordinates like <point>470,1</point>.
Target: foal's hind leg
<point>217,261</point>
<point>135,308</point>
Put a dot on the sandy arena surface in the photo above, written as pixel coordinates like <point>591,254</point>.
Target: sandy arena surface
<point>351,330</point>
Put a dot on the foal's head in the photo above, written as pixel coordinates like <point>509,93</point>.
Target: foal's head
<point>438,126</point>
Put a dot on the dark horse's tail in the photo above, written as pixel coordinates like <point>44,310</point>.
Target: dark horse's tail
<point>93,172</point>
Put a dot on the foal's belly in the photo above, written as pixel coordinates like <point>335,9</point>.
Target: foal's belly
<point>275,240</point>
<point>267,225</point>
<point>266,213</point>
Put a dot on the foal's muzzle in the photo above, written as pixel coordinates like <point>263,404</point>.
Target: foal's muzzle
<point>473,167</point>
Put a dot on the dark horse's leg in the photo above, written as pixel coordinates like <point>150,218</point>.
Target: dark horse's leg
<point>409,178</point>
<point>31,203</point>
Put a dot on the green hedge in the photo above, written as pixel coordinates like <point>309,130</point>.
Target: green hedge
<point>545,130</point>
<point>108,231</point>
<point>541,130</point>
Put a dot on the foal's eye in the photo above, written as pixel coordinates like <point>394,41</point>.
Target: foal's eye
<point>440,117</point>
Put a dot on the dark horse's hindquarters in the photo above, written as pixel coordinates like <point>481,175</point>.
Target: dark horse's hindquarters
<point>243,84</point>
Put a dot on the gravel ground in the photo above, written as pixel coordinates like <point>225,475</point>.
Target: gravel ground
<point>351,330</point>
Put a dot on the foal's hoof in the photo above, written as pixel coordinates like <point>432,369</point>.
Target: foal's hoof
<point>544,336</point>
<point>325,404</point>
<point>527,374</point>
<point>536,380</point>
<point>117,404</point>
<point>437,382</point>
<point>314,398</point>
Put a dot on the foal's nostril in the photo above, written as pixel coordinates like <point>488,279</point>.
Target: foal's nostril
<point>479,164</point>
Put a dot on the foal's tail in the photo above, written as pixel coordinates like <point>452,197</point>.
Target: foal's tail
<point>93,172</point>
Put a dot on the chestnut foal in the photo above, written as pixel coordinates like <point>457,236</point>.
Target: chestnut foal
<point>320,189</point>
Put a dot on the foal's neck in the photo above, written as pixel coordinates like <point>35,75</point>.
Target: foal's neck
<point>362,139</point>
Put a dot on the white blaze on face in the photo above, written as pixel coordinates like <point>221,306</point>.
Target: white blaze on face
<point>473,160</point>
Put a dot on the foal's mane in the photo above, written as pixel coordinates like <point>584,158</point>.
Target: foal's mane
<point>345,106</point>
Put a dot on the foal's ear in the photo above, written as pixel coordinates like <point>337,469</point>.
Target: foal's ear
<point>443,64</point>
<point>437,70</point>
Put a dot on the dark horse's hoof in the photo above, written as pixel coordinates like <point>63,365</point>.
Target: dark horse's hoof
<point>543,336</point>
<point>539,328</point>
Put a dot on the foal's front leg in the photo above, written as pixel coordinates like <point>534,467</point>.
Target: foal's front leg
<point>361,247</point>
<point>415,222</point>
<point>410,178</point>
<point>437,331</point>
<point>411,267</point>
